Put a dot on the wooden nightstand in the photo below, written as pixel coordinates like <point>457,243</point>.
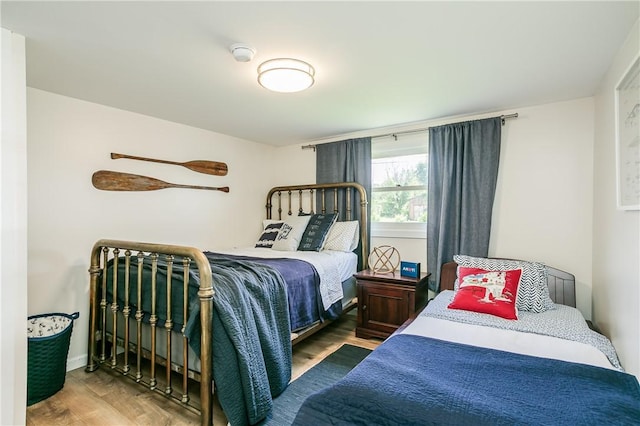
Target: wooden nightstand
<point>386,301</point>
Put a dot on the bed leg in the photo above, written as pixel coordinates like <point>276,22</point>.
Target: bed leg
<point>206,357</point>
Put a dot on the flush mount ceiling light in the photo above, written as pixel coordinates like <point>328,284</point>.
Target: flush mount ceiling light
<point>285,75</point>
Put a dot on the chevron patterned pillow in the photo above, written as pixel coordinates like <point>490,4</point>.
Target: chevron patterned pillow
<point>533,293</point>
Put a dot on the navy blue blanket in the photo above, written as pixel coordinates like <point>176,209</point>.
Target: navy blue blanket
<point>413,380</point>
<point>303,289</point>
<point>251,337</point>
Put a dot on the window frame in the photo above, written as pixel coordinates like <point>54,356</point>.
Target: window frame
<point>389,147</point>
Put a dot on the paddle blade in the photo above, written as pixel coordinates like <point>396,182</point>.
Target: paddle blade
<point>116,181</point>
<point>209,167</point>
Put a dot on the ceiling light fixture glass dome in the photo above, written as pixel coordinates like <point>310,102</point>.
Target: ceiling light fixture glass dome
<point>286,75</point>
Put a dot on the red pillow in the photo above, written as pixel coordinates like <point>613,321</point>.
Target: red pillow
<point>487,292</point>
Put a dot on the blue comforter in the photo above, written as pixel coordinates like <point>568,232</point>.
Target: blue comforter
<point>251,337</point>
<point>414,380</point>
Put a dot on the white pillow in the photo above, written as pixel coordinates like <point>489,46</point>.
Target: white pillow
<point>290,233</point>
<point>343,236</point>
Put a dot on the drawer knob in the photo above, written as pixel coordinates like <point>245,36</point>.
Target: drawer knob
<point>364,307</point>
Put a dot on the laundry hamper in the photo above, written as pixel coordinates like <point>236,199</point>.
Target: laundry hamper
<point>48,346</point>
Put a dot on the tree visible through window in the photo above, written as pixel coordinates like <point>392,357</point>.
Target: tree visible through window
<point>399,180</point>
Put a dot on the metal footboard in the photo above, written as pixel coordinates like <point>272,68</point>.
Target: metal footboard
<point>109,348</point>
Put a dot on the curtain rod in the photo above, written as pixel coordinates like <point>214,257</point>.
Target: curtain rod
<point>424,129</point>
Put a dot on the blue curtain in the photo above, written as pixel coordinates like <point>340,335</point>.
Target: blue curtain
<point>463,171</point>
<point>347,161</point>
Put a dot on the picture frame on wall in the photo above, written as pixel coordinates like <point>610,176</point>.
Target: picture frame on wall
<point>627,106</point>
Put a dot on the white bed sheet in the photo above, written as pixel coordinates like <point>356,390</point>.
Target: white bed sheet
<point>333,267</point>
<point>508,340</point>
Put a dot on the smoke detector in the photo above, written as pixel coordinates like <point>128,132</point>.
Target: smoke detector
<point>242,52</point>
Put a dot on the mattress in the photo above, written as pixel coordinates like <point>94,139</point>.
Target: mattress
<point>560,333</point>
<point>349,289</point>
<point>508,340</point>
<point>304,313</point>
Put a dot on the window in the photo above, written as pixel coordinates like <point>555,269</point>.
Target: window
<point>399,186</point>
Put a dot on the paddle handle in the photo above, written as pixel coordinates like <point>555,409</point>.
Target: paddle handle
<point>212,188</point>
<point>107,180</point>
<point>115,156</point>
<point>215,168</point>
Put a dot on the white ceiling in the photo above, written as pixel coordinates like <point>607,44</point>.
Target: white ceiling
<point>378,64</point>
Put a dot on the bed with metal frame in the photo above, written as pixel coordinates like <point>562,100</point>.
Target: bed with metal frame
<point>142,344</point>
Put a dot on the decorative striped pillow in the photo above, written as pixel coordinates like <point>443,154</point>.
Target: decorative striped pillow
<point>269,234</point>
<point>533,294</point>
<point>316,232</point>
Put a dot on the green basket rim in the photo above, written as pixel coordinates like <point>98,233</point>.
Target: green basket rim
<point>72,317</point>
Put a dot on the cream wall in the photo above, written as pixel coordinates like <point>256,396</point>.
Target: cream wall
<point>543,202</point>
<point>69,139</point>
<point>542,210</point>
<point>13,239</point>
<point>616,233</point>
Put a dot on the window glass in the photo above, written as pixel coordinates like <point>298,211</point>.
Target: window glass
<point>399,179</point>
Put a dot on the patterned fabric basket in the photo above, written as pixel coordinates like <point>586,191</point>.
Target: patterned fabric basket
<point>48,338</point>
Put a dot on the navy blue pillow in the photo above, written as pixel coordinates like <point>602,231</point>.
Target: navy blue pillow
<point>316,232</point>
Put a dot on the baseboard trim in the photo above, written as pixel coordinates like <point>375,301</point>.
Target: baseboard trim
<point>77,362</point>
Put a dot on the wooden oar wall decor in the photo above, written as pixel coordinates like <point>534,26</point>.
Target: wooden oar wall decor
<point>201,166</point>
<point>117,181</point>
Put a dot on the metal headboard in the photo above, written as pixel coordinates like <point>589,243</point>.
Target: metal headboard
<point>338,197</point>
<point>562,285</point>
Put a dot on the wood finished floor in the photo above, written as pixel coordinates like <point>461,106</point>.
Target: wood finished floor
<point>100,398</point>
